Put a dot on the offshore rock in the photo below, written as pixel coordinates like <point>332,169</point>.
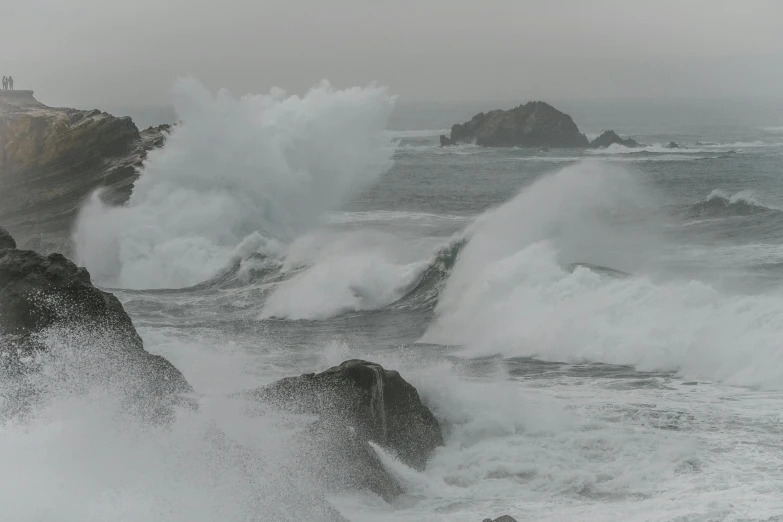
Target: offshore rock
<point>504,518</point>
<point>358,403</point>
<point>673,145</point>
<point>610,137</point>
<point>445,141</point>
<point>51,159</point>
<point>534,124</point>
<point>49,302</point>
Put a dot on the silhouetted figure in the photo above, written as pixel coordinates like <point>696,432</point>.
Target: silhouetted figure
<point>11,82</point>
<point>5,83</point>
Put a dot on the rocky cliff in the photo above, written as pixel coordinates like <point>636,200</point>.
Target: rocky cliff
<point>534,124</point>
<point>51,159</point>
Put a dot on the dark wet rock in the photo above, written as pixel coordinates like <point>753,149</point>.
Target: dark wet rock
<point>534,124</point>
<point>6,241</point>
<point>445,141</point>
<point>49,297</point>
<point>673,145</point>
<point>51,159</point>
<point>504,518</point>
<point>610,137</point>
<point>357,403</point>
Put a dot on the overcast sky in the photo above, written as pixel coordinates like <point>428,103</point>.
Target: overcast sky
<point>128,53</point>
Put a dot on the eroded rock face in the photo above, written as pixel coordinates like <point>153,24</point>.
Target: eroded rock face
<point>50,297</point>
<point>535,124</point>
<point>51,159</point>
<point>6,241</point>
<point>356,403</point>
<point>610,137</point>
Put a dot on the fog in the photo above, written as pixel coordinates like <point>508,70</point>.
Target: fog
<point>99,53</point>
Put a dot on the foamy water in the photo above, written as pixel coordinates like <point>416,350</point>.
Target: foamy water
<point>598,333</point>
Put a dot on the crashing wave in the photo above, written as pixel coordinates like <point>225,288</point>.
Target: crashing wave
<point>509,294</point>
<point>238,176</point>
<point>721,204</point>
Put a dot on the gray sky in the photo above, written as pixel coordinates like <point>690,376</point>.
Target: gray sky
<point>128,53</point>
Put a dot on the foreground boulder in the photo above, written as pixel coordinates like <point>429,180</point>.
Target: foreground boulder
<point>358,403</point>
<point>534,124</point>
<point>49,302</point>
<point>610,137</point>
<point>51,159</point>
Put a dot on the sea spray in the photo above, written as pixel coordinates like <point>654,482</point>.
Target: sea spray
<point>511,292</point>
<point>264,167</point>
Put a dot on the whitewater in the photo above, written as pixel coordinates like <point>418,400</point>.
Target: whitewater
<point>599,334</point>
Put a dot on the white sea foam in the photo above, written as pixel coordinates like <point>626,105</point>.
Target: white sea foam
<point>266,167</point>
<point>509,295</point>
<point>342,273</point>
<point>80,455</point>
<point>701,148</point>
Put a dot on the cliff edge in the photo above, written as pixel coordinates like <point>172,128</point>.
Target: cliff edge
<point>51,159</point>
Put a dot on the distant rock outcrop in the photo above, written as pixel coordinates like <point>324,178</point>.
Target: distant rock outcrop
<point>42,296</point>
<point>673,145</point>
<point>534,124</point>
<point>360,402</point>
<point>445,141</point>
<point>610,137</point>
<point>504,518</point>
<point>52,159</point>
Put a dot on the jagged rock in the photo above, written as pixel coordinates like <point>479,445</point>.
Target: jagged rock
<point>673,145</point>
<point>504,518</point>
<point>445,141</point>
<point>534,124</point>
<point>40,295</point>
<point>359,402</point>
<point>51,159</point>
<point>610,137</point>
<point>6,241</point>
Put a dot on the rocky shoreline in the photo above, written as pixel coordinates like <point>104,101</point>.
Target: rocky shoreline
<point>54,321</point>
<point>51,159</point>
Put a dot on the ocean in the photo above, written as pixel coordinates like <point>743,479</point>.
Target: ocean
<point>599,332</point>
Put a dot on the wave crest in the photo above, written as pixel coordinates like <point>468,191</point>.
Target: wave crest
<point>722,204</point>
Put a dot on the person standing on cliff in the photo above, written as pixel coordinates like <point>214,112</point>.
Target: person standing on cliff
<point>11,82</point>
<point>5,83</point>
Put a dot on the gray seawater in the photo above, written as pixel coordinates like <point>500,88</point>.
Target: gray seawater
<point>599,333</point>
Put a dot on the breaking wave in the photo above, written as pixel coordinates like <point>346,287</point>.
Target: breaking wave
<point>722,204</point>
<point>237,176</point>
<point>511,292</point>
<point>357,272</point>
